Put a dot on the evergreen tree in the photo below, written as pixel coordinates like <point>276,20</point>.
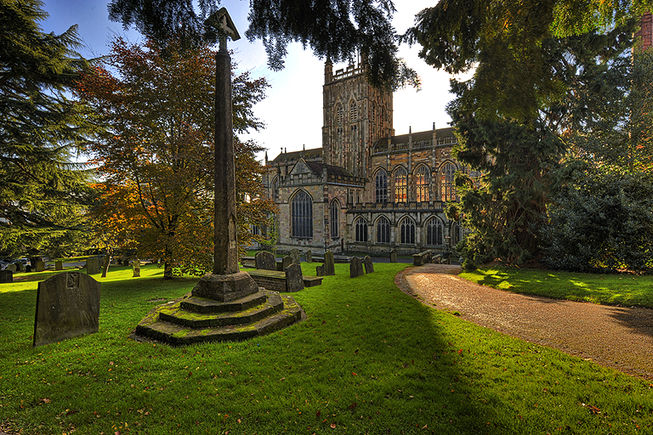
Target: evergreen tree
<point>42,193</point>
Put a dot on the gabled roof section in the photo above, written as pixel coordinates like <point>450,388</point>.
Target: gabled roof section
<point>311,154</point>
<point>302,167</point>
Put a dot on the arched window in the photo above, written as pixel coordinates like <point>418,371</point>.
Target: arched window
<point>456,234</point>
<point>381,187</point>
<point>400,185</point>
<point>422,179</point>
<point>434,229</point>
<point>353,112</point>
<point>407,231</point>
<point>334,219</point>
<point>361,230</point>
<point>383,230</point>
<point>302,215</point>
<point>447,188</point>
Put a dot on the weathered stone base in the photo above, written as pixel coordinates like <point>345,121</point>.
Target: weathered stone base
<point>194,319</point>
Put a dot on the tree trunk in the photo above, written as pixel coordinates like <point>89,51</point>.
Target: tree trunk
<point>105,266</point>
<point>167,270</point>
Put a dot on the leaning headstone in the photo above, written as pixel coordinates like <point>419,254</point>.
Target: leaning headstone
<point>58,265</point>
<point>6,276</point>
<point>136,266</point>
<point>92,265</point>
<point>294,278</point>
<point>393,256</point>
<point>12,267</point>
<point>67,305</point>
<point>265,260</point>
<point>329,263</point>
<point>355,267</point>
<point>319,270</point>
<point>286,261</point>
<point>309,256</point>
<point>369,266</point>
<point>296,256</point>
<point>37,264</point>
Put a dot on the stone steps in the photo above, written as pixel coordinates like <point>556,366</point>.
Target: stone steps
<point>210,306</point>
<point>172,324</point>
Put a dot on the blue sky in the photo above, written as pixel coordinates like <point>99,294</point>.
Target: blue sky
<point>293,109</point>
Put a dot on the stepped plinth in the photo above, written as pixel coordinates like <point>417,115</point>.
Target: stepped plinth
<point>220,308</point>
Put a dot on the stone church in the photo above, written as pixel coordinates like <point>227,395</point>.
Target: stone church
<point>366,190</point>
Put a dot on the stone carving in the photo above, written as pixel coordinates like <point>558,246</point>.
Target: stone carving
<point>286,261</point>
<point>92,265</point>
<point>265,260</point>
<point>309,256</point>
<point>367,262</point>
<point>393,256</point>
<point>6,276</point>
<point>294,278</point>
<point>296,256</point>
<point>67,305</point>
<point>329,263</point>
<point>355,267</point>
<point>58,265</point>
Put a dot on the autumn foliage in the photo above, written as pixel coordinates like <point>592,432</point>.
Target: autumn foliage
<point>155,150</point>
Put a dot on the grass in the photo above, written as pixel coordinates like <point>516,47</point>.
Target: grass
<point>368,359</point>
<point>610,289</point>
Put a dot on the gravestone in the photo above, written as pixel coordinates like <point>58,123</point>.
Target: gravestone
<point>329,263</point>
<point>369,266</point>
<point>6,276</point>
<point>37,264</point>
<point>355,267</point>
<point>296,256</point>
<point>92,265</point>
<point>393,256</point>
<point>58,265</point>
<point>294,278</point>
<point>136,266</point>
<point>265,260</point>
<point>20,267</point>
<point>319,270</point>
<point>67,305</point>
<point>309,256</point>
<point>286,261</point>
<point>12,267</point>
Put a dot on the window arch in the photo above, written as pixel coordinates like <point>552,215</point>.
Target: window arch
<point>275,188</point>
<point>401,180</point>
<point>334,219</point>
<point>339,114</point>
<point>422,180</point>
<point>434,230</point>
<point>407,227</point>
<point>383,230</point>
<point>361,229</point>
<point>447,188</point>
<point>381,186</point>
<point>302,215</point>
<point>456,234</point>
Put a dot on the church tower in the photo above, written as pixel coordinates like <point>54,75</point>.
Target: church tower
<point>356,115</point>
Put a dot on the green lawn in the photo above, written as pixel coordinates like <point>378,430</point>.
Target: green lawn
<point>368,359</point>
<point>612,289</point>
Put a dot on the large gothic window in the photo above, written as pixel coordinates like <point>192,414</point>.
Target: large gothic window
<point>335,219</point>
<point>339,114</point>
<point>383,230</point>
<point>361,230</point>
<point>302,215</point>
<point>401,185</point>
<point>456,233</point>
<point>381,187</point>
<point>407,227</point>
<point>422,180</point>
<point>447,188</point>
<point>434,229</point>
<point>275,188</point>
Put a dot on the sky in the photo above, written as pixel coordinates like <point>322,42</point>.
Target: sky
<point>292,111</point>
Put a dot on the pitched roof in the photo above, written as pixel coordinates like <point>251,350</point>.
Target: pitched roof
<point>317,168</point>
<point>313,153</point>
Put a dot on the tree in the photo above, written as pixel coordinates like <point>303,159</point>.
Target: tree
<point>156,150</point>
<point>334,30</point>
<point>43,193</point>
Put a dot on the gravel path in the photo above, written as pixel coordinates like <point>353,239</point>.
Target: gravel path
<point>617,337</point>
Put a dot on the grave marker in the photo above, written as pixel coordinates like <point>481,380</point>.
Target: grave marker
<point>369,266</point>
<point>294,278</point>
<point>265,260</point>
